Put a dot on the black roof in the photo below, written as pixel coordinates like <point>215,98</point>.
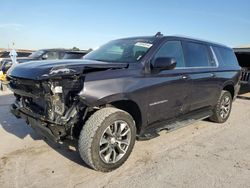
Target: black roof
<point>65,50</point>
<point>152,38</point>
<point>78,52</point>
<point>55,49</point>
<point>199,40</point>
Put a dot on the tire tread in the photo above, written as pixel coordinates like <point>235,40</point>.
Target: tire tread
<point>88,132</point>
<point>215,117</point>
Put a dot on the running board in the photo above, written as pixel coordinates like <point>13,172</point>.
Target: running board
<point>174,124</point>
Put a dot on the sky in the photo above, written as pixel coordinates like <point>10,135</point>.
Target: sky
<point>36,24</point>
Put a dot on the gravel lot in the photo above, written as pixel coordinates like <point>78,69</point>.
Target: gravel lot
<point>201,155</point>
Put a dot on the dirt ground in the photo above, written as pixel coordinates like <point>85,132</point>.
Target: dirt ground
<point>200,155</point>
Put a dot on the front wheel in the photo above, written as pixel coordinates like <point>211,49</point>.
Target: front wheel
<point>223,108</point>
<point>107,139</point>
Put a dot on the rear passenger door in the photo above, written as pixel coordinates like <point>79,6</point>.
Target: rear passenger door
<point>202,68</point>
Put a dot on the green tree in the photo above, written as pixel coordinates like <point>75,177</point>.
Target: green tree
<point>75,48</point>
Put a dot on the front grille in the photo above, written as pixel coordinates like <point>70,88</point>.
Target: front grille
<point>25,86</point>
<point>245,75</point>
<point>39,98</point>
<point>30,93</point>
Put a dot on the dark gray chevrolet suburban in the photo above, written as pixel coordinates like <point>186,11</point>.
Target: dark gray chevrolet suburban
<point>128,88</point>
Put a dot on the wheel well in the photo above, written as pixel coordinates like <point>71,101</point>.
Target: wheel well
<point>132,108</point>
<point>230,89</point>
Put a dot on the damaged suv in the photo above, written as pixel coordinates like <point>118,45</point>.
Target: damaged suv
<point>127,89</point>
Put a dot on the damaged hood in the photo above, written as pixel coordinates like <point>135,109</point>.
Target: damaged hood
<point>38,70</point>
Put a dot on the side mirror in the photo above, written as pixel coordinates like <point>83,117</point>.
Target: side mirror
<point>45,56</point>
<point>164,63</point>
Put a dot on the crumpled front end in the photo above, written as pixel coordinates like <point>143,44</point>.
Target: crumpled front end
<point>51,107</point>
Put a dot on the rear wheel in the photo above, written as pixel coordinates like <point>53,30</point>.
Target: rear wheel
<point>223,108</point>
<point>107,139</point>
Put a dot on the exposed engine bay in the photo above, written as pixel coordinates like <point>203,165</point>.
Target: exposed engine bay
<point>54,101</point>
<point>48,97</point>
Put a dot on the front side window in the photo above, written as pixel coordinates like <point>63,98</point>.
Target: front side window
<point>124,51</point>
<point>197,55</point>
<point>172,49</point>
<point>73,55</point>
<point>52,55</point>
<point>61,55</point>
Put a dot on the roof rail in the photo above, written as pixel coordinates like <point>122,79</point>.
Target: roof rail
<point>158,34</point>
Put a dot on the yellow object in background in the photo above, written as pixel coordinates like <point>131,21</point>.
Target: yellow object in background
<point>2,76</point>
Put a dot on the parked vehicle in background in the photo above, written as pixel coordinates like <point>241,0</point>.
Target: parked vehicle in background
<point>5,55</point>
<point>44,54</point>
<point>5,61</point>
<point>128,88</point>
<point>243,56</point>
<point>75,54</point>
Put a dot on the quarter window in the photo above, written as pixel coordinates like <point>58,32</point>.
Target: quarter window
<point>172,49</point>
<point>225,56</point>
<point>196,55</point>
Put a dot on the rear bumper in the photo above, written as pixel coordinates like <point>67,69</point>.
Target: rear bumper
<point>35,121</point>
<point>245,76</point>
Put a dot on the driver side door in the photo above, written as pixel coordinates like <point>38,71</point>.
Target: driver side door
<point>169,94</point>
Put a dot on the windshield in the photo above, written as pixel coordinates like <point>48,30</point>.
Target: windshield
<point>124,50</point>
<point>36,54</point>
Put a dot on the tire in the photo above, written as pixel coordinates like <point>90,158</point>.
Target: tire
<point>221,104</point>
<point>107,139</point>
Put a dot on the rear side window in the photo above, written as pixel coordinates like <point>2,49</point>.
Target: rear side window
<point>225,56</point>
<point>172,49</point>
<point>197,55</point>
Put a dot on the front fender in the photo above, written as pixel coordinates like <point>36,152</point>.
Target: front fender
<point>95,93</point>
<point>102,88</point>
